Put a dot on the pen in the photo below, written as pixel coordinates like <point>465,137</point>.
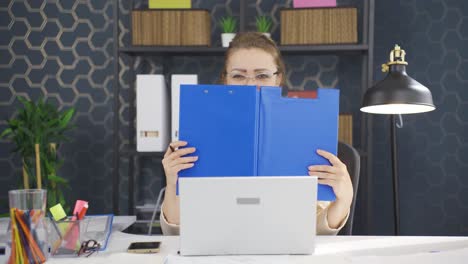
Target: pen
<point>54,225</point>
<point>83,212</point>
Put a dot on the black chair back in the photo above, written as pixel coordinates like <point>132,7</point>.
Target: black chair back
<point>349,156</point>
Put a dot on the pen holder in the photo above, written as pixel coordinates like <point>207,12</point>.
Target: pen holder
<point>27,235</point>
<point>66,236</point>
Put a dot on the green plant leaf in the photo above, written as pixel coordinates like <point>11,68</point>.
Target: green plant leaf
<point>263,23</point>
<point>6,132</point>
<point>228,24</point>
<point>57,179</point>
<point>66,117</point>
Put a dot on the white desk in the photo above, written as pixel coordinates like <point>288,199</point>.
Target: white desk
<point>339,249</point>
<point>357,249</point>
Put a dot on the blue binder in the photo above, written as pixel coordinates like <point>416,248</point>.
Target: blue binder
<point>246,131</point>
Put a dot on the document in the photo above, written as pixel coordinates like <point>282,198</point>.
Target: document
<point>246,131</point>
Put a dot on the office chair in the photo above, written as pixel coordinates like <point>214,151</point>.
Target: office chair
<point>349,156</point>
<point>157,208</point>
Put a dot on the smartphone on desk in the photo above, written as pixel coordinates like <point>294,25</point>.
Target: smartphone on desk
<point>144,247</point>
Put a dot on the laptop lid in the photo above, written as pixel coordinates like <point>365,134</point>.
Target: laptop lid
<point>247,215</point>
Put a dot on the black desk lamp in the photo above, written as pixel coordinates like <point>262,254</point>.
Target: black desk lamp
<point>397,94</point>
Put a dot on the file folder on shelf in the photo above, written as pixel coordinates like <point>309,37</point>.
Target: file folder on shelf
<point>152,113</point>
<point>176,81</point>
<point>245,131</point>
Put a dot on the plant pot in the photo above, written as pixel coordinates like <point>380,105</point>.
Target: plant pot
<point>226,38</point>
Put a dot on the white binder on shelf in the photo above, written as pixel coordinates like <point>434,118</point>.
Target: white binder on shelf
<point>176,81</point>
<point>152,113</point>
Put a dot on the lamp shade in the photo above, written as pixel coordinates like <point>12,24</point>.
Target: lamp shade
<point>398,93</point>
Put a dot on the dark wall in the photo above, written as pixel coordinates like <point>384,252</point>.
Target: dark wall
<point>433,147</point>
<point>63,50</point>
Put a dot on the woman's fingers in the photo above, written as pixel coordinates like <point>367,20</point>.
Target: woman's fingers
<point>334,160</point>
<point>183,160</point>
<point>181,152</point>
<point>323,175</point>
<point>328,182</point>
<point>173,146</point>
<point>183,166</point>
<point>324,168</point>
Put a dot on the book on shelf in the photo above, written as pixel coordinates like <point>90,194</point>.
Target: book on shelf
<point>345,131</point>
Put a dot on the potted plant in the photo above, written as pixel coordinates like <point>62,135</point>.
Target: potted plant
<point>264,24</point>
<point>228,25</point>
<point>37,131</point>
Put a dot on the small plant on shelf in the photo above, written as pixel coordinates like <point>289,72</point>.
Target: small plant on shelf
<point>228,25</point>
<point>263,24</point>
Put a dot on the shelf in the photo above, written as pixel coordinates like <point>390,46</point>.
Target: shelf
<point>173,50</point>
<point>325,49</point>
<point>197,50</point>
<point>134,153</point>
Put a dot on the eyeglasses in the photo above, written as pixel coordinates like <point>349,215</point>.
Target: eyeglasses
<point>262,77</point>
<point>89,247</point>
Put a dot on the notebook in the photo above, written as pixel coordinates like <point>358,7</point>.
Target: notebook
<point>250,131</point>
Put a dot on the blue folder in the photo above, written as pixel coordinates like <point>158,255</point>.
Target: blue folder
<point>246,131</point>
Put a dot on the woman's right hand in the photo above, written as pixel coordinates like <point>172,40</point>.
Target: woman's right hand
<point>174,161</point>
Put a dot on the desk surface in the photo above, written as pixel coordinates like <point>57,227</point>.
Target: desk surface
<point>331,249</point>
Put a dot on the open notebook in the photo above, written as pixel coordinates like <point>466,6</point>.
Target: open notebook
<point>246,131</point>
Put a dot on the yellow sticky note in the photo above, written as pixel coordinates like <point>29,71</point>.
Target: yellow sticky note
<point>57,212</point>
<point>182,4</point>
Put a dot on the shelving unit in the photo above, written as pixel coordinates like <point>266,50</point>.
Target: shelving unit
<point>364,49</point>
<point>202,51</point>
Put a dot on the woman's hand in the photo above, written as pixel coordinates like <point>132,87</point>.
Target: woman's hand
<point>174,161</point>
<point>336,176</point>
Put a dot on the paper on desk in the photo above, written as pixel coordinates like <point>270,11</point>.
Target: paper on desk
<point>245,259</point>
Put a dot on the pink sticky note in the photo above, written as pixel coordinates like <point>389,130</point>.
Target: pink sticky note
<point>313,3</point>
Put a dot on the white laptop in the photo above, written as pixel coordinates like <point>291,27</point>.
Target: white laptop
<point>247,215</point>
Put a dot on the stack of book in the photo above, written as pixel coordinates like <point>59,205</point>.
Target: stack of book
<point>335,25</point>
<point>159,27</point>
<point>345,130</point>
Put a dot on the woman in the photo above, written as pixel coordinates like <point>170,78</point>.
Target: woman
<point>254,59</point>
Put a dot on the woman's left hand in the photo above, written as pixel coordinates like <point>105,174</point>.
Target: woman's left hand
<point>336,176</point>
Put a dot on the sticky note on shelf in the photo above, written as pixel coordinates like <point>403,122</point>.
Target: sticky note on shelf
<point>177,4</point>
<point>57,212</point>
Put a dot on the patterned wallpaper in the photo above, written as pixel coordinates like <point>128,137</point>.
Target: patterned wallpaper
<point>63,50</point>
<point>433,147</point>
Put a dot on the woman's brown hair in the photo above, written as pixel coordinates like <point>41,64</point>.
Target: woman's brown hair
<point>251,40</point>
